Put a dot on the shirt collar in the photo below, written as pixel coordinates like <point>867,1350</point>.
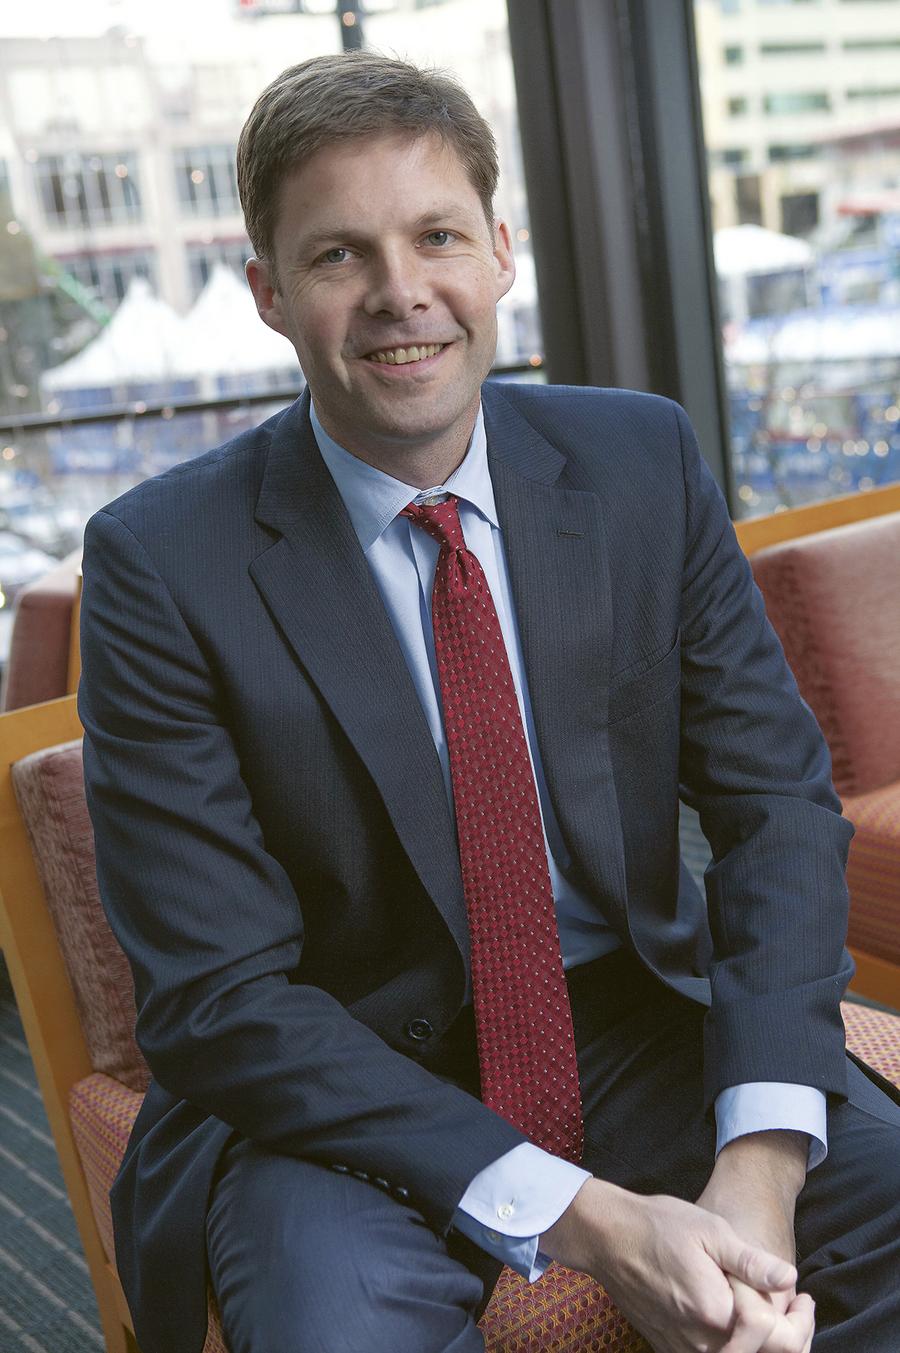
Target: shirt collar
<point>374,498</point>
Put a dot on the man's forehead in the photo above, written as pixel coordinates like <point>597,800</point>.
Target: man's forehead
<point>343,161</point>
<point>338,186</point>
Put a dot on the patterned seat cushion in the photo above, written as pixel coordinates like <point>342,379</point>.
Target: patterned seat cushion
<point>565,1311</point>
<point>49,786</point>
<point>873,872</point>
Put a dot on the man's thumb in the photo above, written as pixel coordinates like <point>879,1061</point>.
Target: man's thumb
<point>757,1267</point>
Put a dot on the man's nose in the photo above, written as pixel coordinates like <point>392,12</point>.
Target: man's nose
<point>398,286</point>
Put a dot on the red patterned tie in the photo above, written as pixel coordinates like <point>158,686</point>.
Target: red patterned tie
<point>526,1044</point>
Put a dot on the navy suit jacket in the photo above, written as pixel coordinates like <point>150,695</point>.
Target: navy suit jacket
<point>274,844</point>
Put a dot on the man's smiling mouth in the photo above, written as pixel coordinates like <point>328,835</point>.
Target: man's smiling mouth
<point>404,356</point>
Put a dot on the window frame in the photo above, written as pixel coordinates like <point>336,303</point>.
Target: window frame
<point>615,164</point>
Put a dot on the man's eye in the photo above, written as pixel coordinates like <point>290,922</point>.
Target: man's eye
<point>439,237</point>
<point>337,255</point>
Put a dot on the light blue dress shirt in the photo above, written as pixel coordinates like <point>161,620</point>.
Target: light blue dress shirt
<point>513,1201</point>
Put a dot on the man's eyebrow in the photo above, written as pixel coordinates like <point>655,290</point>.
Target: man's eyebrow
<point>437,215</point>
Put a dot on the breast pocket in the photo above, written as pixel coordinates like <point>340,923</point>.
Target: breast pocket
<point>639,690</point>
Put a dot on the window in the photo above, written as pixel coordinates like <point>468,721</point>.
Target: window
<point>737,106</point>
<point>870,44</point>
<point>202,258</point>
<point>80,189</point>
<point>207,182</point>
<point>787,102</point>
<point>108,273</point>
<point>790,48</point>
<point>731,157</point>
<point>748,199</point>
<point>875,92</point>
<point>799,213</point>
<point>801,151</point>
<point>775,293</point>
<point>734,56</point>
<point>814,384</point>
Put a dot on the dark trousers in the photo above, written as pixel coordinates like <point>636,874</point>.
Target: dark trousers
<point>305,1260</point>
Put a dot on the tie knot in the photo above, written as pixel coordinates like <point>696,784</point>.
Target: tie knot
<point>440,520</point>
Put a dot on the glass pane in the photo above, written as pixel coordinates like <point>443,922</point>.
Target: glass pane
<point>801,110</point>
<point>122,243</point>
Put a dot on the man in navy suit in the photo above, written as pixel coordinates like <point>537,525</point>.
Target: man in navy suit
<point>268,776</point>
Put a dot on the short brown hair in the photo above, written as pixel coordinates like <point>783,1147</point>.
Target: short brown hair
<point>337,98</point>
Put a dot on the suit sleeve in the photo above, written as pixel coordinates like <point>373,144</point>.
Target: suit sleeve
<point>212,925</point>
<point>755,766</point>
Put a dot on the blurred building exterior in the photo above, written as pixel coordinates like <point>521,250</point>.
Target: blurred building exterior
<point>118,150</point>
<point>117,184</point>
<point>118,201</point>
<point>801,110</point>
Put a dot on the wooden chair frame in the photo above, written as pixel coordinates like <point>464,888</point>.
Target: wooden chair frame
<point>44,994</point>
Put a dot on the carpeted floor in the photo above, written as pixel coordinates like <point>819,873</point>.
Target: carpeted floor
<point>46,1299</point>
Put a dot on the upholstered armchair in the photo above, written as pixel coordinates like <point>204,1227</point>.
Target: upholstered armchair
<point>834,599</point>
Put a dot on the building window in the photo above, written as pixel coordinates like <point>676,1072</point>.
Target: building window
<point>748,199</point>
<point>202,258</point>
<point>78,189</point>
<point>779,153</point>
<point>731,157</point>
<point>799,101</point>
<point>790,48</point>
<point>799,213</point>
<point>875,92</point>
<point>207,181</point>
<point>108,273</point>
<point>737,106</point>
<point>870,44</point>
<point>734,56</point>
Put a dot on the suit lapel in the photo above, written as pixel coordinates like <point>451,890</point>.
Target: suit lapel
<point>317,584</point>
<point>557,550</point>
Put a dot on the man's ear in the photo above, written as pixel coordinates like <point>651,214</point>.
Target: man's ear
<point>503,258</point>
<point>264,286</point>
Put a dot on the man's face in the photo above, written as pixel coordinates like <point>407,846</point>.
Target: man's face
<point>388,280</point>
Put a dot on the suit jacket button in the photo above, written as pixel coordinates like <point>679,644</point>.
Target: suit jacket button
<point>341,1169</point>
<point>361,1174</point>
<point>419,1029</point>
<point>381,1183</point>
<point>402,1194</point>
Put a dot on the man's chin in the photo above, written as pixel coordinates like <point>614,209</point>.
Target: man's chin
<point>417,419</point>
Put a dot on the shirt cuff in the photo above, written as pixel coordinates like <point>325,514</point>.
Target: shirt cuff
<point>511,1202</point>
<point>761,1106</point>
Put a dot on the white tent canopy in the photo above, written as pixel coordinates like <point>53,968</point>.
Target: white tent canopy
<point>745,249</point>
<point>142,343</point>
<point>225,336</point>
